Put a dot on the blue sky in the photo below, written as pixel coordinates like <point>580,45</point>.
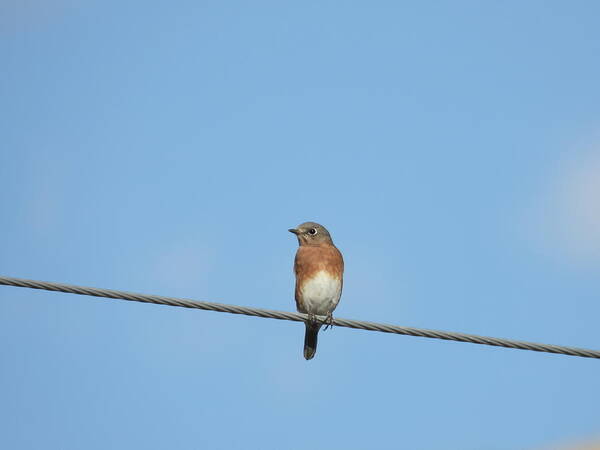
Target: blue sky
<point>451,148</point>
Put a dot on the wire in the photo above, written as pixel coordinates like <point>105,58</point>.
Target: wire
<point>283,315</point>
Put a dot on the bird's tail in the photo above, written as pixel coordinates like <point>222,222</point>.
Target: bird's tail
<point>310,338</point>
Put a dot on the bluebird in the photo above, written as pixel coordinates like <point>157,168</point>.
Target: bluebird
<point>319,269</point>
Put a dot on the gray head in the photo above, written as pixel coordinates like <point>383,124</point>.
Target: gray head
<point>311,233</point>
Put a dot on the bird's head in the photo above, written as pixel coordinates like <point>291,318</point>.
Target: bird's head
<point>311,233</point>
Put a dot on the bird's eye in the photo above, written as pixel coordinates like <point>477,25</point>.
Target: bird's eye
<point>312,231</point>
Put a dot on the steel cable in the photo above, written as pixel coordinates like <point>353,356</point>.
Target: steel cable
<point>283,315</point>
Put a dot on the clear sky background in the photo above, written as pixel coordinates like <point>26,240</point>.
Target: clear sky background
<point>451,148</point>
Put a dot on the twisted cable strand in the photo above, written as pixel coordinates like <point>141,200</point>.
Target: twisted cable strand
<point>296,317</point>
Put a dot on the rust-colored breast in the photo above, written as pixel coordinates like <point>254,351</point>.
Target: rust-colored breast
<point>311,259</point>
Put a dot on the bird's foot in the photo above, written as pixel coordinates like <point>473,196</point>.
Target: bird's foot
<point>328,322</point>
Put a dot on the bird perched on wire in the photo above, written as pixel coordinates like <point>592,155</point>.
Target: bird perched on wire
<point>319,269</point>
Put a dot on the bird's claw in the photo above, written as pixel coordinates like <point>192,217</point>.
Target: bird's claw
<point>328,322</point>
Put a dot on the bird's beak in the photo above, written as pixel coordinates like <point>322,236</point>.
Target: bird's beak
<point>294,230</point>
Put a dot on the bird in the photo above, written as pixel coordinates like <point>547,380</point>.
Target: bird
<point>319,270</point>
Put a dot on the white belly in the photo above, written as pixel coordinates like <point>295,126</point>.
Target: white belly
<point>321,293</point>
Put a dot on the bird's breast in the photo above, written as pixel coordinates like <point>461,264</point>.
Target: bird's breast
<point>320,293</point>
